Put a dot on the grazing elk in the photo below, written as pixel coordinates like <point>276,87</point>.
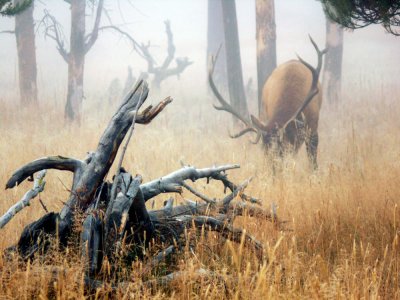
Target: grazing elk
<point>292,115</point>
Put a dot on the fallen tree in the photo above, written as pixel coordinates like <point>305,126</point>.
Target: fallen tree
<point>115,222</point>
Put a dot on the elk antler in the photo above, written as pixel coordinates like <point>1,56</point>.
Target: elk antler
<point>253,125</point>
<point>314,85</point>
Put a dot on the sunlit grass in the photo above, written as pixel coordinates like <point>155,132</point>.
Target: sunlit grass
<point>341,239</point>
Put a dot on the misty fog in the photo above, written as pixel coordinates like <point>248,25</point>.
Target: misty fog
<point>369,53</point>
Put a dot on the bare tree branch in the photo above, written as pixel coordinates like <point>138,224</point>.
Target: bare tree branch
<point>53,30</point>
<point>198,194</point>
<point>38,187</point>
<point>171,46</point>
<point>50,162</point>
<point>143,50</point>
<point>8,31</point>
<point>147,115</point>
<point>95,32</point>
<point>136,46</point>
<point>172,183</point>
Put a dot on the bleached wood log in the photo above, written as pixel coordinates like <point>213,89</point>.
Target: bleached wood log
<point>89,174</point>
<point>38,187</point>
<point>173,182</point>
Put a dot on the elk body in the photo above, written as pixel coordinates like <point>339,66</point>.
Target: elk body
<point>292,102</point>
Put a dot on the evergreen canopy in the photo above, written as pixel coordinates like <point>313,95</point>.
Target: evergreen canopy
<point>7,8</point>
<point>355,14</point>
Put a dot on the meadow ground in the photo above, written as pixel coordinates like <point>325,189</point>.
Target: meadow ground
<point>342,235</point>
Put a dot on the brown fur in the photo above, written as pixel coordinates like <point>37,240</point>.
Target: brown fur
<point>283,94</point>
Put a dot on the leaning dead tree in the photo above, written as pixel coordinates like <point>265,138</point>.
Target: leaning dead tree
<point>115,222</point>
<point>162,72</point>
<point>158,72</point>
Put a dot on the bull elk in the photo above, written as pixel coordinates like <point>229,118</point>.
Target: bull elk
<point>287,99</point>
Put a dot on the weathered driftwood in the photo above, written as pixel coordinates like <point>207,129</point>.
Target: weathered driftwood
<point>90,172</point>
<point>34,236</point>
<point>92,242</point>
<point>173,182</point>
<point>127,216</point>
<point>38,187</point>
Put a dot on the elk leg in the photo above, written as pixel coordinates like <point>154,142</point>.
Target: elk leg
<point>312,149</point>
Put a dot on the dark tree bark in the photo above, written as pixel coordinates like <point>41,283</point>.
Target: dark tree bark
<point>233,61</point>
<point>215,40</point>
<point>76,61</point>
<point>266,45</point>
<point>25,36</point>
<point>89,173</point>
<point>333,62</point>
<point>80,44</point>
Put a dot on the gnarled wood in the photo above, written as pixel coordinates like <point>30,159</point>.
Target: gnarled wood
<point>51,162</point>
<point>172,183</point>
<point>34,235</point>
<point>95,171</point>
<point>92,243</point>
<point>89,174</point>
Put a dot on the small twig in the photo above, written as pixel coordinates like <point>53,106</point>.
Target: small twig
<point>42,203</point>
<point>64,186</point>
<point>198,194</point>
<point>230,185</point>
<point>239,189</point>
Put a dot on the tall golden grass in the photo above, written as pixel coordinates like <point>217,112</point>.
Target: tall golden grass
<point>342,235</point>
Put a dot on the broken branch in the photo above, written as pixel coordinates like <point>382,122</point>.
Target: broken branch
<point>172,183</point>
<point>38,187</point>
<point>51,162</point>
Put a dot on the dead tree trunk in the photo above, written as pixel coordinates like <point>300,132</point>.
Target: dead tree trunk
<point>333,62</point>
<point>266,46</point>
<point>215,40</point>
<point>162,72</point>
<point>233,60</point>
<point>76,61</point>
<point>25,36</point>
<point>90,172</point>
<point>80,44</point>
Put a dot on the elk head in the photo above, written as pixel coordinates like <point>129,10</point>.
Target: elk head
<point>271,133</point>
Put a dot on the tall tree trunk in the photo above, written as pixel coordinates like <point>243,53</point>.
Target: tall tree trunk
<point>25,36</point>
<point>76,62</point>
<point>233,61</point>
<point>266,46</point>
<point>333,62</point>
<point>215,40</point>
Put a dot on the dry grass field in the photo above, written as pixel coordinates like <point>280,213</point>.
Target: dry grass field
<point>342,236</point>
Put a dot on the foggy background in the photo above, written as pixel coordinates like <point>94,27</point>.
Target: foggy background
<point>369,54</point>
